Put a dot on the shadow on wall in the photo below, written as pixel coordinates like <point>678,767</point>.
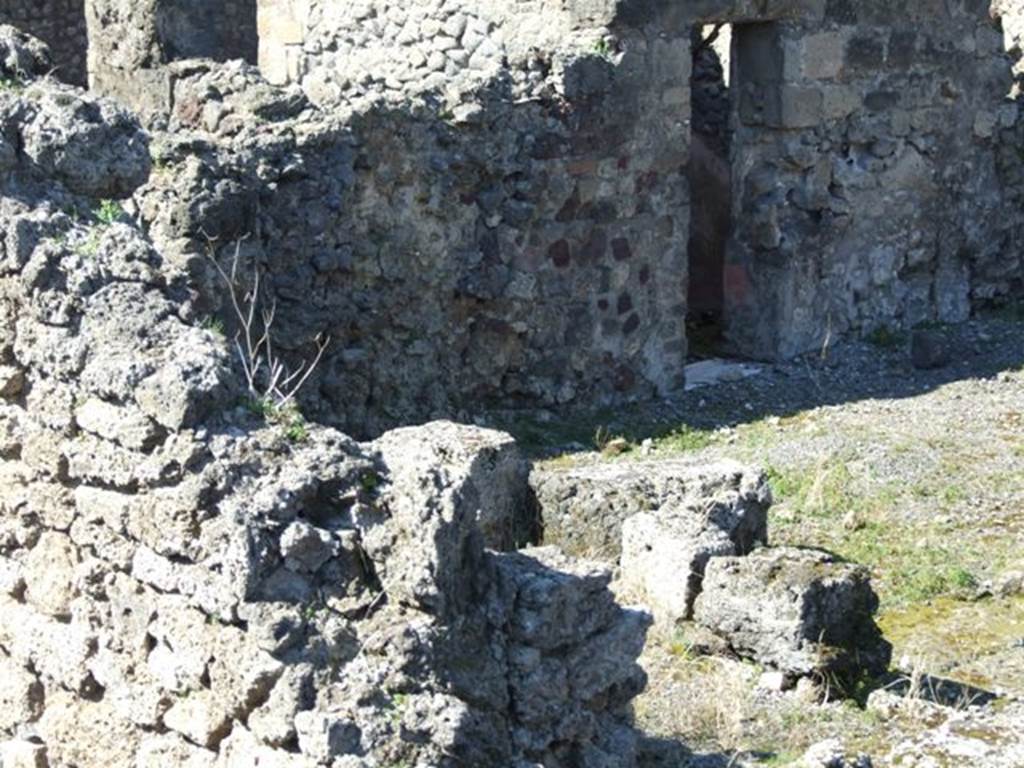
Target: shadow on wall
<point>710,188</point>
<point>218,29</point>
<point>527,252</point>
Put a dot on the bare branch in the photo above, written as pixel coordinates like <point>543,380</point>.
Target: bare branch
<point>267,377</point>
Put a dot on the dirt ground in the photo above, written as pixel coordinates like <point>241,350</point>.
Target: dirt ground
<point>917,474</point>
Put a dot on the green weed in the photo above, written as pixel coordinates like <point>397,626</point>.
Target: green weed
<point>370,482</point>
<point>603,48</point>
<point>288,417</point>
<point>108,212</point>
<point>213,325</point>
<point>11,85</point>
<point>90,246</point>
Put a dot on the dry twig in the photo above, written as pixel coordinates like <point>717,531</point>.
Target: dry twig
<point>267,377</point>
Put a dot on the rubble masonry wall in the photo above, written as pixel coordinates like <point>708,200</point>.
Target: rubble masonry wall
<point>58,23</point>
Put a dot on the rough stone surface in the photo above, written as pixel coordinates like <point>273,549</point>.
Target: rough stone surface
<point>515,236</point>
<point>19,753</point>
<point>665,552</point>
<point>929,349</point>
<point>22,55</point>
<point>832,754</point>
<point>94,147</point>
<point>584,508</point>
<point>490,203</point>
<point>799,611</point>
<point>185,582</point>
<point>968,735</point>
<point>58,23</point>
<point>130,41</point>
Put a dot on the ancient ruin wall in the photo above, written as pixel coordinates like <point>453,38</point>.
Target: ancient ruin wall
<point>182,583</point>
<point>61,25</point>
<point>501,221</point>
<point>488,205</point>
<point>132,41</point>
<point>874,180</point>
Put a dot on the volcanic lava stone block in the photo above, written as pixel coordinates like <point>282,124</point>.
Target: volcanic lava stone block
<point>665,552</point>
<point>583,508</point>
<point>799,611</point>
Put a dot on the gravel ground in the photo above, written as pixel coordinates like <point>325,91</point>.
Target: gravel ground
<point>919,475</point>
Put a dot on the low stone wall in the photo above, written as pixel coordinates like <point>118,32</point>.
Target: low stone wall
<point>58,23</point>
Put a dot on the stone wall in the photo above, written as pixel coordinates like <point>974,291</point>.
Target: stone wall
<point>488,204</point>
<point>871,187</point>
<point>870,183</point>
<point>1011,15</point>
<point>186,583</point>
<point>132,41</point>
<point>61,25</point>
<point>509,230</point>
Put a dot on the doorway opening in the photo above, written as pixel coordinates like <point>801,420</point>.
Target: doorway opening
<point>710,177</point>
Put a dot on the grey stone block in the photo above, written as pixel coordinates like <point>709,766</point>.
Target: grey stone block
<point>799,611</point>
<point>583,508</point>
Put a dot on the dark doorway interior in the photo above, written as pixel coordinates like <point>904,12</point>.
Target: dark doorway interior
<point>710,186</point>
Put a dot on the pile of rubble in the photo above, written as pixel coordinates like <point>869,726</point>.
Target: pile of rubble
<point>692,543</point>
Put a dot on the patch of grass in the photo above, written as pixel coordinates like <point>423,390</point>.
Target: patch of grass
<point>160,163</point>
<point>684,439</point>
<point>910,566</point>
<point>602,437</point>
<point>949,495</point>
<point>103,216</point>
<point>90,245</point>
<point>397,703</point>
<point>11,85</point>
<point>826,490</point>
<point>718,720</point>
<point>603,48</point>
<point>680,647</point>
<point>370,482</point>
<point>297,430</point>
<point>953,494</point>
<point>828,506</point>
